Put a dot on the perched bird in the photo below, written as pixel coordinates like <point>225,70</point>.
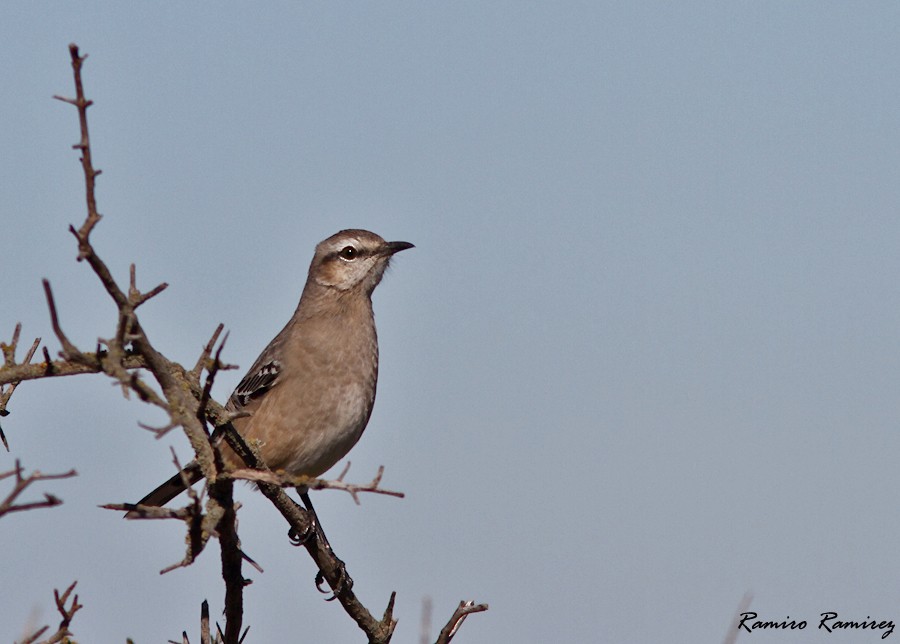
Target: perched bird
<point>310,393</point>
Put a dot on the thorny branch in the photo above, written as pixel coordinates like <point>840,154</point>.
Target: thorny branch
<point>128,353</point>
<point>183,392</point>
<point>353,489</point>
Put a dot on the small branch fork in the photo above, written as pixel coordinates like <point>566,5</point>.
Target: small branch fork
<point>9,362</point>
<point>66,612</point>
<point>189,406</point>
<point>9,505</point>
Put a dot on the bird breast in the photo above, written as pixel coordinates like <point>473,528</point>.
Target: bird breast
<point>306,425</point>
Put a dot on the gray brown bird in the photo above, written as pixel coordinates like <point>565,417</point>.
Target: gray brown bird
<point>310,393</point>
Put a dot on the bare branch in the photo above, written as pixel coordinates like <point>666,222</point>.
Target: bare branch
<point>9,350</point>
<point>70,351</point>
<point>462,611</point>
<point>159,432</point>
<point>197,523</point>
<point>113,364</point>
<point>62,633</point>
<point>22,483</point>
<point>221,507</point>
<point>196,538</point>
<point>178,389</point>
<point>232,558</point>
<point>283,480</point>
<point>211,373</point>
<point>90,363</point>
<point>30,354</point>
<point>84,145</point>
<point>388,623</point>
<point>203,360</point>
<point>135,296</point>
<point>9,362</point>
<point>67,613</point>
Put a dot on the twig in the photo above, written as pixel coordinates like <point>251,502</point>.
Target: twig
<point>22,482</point>
<point>211,373</point>
<point>84,146</point>
<point>159,432</point>
<point>203,360</point>
<point>135,296</point>
<point>200,529</point>
<point>91,363</point>
<point>62,633</point>
<point>9,361</point>
<point>204,622</point>
<point>67,613</point>
<point>462,611</point>
<point>30,354</point>
<point>70,351</point>
<point>353,489</point>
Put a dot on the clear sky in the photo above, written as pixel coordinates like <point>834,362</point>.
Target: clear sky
<point>643,359</point>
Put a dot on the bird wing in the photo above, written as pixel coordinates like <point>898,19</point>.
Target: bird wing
<point>260,379</point>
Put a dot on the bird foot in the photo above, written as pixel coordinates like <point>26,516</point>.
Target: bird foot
<point>312,532</point>
<point>298,539</point>
<point>344,582</point>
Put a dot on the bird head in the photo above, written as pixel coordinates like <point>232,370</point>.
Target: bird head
<point>353,260</point>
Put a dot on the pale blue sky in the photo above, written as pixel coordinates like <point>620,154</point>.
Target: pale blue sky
<point>643,359</point>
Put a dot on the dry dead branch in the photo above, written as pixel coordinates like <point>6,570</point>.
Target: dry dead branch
<point>22,483</point>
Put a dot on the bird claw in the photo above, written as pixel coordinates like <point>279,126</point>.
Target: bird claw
<point>312,532</point>
<point>345,582</point>
<point>315,531</point>
<point>301,539</point>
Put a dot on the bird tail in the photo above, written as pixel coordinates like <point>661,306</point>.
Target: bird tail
<point>171,488</point>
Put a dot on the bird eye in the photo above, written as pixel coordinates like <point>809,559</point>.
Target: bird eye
<point>348,253</point>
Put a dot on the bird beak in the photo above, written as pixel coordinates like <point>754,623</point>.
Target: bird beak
<point>397,246</point>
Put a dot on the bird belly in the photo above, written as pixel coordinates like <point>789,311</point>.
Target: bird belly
<point>310,434</point>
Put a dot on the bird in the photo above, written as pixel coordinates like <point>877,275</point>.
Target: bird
<point>308,397</point>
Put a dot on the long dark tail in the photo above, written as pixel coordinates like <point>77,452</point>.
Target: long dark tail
<point>171,488</point>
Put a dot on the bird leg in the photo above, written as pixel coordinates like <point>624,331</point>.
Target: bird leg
<point>298,539</point>
<point>317,532</point>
